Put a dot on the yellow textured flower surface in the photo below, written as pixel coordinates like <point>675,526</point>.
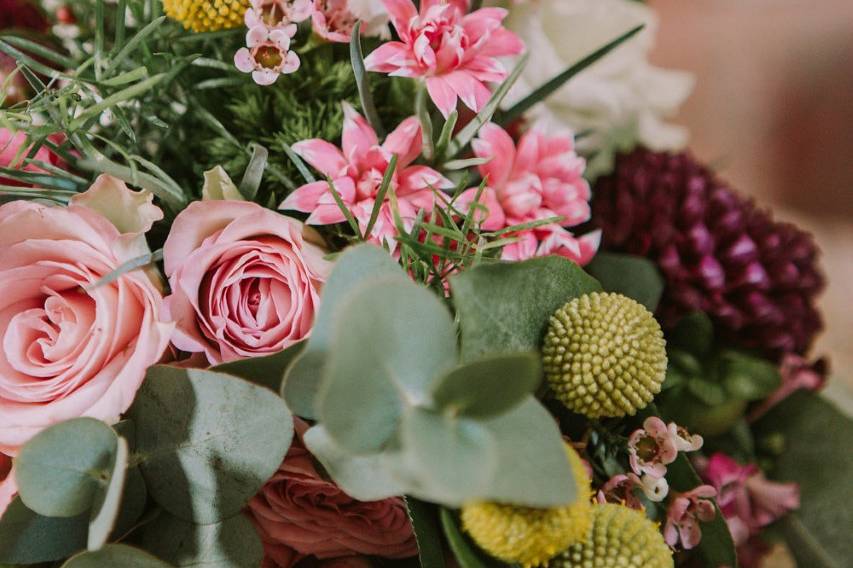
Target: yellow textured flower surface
<point>207,15</point>
<point>620,538</point>
<point>530,536</point>
<point>604,355</point>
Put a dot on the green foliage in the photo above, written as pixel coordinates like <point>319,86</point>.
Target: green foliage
<point>395,411</point>
<point>424,520</point>
<point>506,307</point>
<point>466,552</point>
<point>817,440</point>
<point>207,442</point>
<point>263,371</point>
<point>232,543</point>
<point>107,508</point>
<point>115,555</point>
<point>29,538</point>
<point>632,276</point>
<point>62,470</point>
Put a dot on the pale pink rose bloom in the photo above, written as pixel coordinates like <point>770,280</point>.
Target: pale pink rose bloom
<point>684,514</point>
<point>540,178</point>
<point>300,509</point>
<point>8,488</point>
<point>277,13</point>
<point>70,349</point>
<point>10,145</point>
<point>456,53</point>
<point>245,281</point>
<point>267,54</point>
<point>357,173</point>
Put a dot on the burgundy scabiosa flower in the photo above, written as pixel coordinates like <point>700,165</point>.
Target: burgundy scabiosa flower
<point>755,277</point>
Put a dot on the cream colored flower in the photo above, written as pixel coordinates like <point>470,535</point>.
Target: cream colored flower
<point>618,102</point>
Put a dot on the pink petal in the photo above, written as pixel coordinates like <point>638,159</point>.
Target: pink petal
<point>389,58</point>
<point>495,144</point>
<point>244,61</point>
<point>442,94</point>
<point>325,157</point>
<point>358,137</point>
<point>415,178</point>
<point>406,141</point>
<point>305,198</point>
<point>494,218</point>
<point>486,69</point>
<point>483,22</point>
<point>265,77</point>
<point>256,36</point>
<point>401,13</point>
<point>291,63</point>
<point>589,244</point>
<point>502,43</point>
<point>281,39</point>
<point>474,93</point>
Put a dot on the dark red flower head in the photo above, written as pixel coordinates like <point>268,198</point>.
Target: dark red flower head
<point>718,253</point>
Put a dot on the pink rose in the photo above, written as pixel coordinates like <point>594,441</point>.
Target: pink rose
<point>70,349</point>
<point>245,281</point>
<point>300,510</point>
<point>10,144</point>
<point>8,489</point>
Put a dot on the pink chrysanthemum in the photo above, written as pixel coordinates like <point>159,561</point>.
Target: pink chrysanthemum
<point>455,52</point>
<point>540,178</point>
<point>357,173</point>
<point>267,54</point>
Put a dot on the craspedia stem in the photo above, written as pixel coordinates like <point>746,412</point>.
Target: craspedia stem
<point>619,537</point>
<point>604,355</point>
<point>527,535</point>
<point>207,15</point>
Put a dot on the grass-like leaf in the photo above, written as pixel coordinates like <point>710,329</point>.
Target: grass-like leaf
<point>297,161</point>
<point>114,99</point>
<point>548,88</point>
<point>343,207</point>
<point>254,172</point>
<point>129,266</point>
<point>362,81</point>
<point>380,196</point>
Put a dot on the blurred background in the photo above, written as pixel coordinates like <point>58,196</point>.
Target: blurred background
<point>772,111</point>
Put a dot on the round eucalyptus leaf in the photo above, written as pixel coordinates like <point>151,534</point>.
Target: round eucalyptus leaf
<point>115,555</point>
<point>488,386</point>
<point>29,538</point>
<point>107,508</point>
<point>62,470</point>
<point>392,341</point>
<point>208,441</point>
<point>233,543</point>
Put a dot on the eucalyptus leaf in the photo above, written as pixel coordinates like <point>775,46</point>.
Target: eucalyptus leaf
<point>362,477</point>
<point>747,377</point>
<point>207,441</point>
<point>506,307</point>
<point>355,266</point>
<point>61,471</point>
<point>106,511</point>
<point>265,371</point>
<point>454,457</point>
<point>392,340</point>
<point>489,386</point>
<point>532,468</point>
<point>629,275</point>
<point>115,555</point>
<point>233,543</point>
<point>29,538</point>
<point>818,438</point>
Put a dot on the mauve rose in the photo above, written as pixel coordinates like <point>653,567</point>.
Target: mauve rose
<point>299,510</point>
<point>68,349</point>
<point>8,489</point>
<point>245,281</point>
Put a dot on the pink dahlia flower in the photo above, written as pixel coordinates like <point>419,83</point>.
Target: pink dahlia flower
<point>748,500</point>
<point>684,514</point>
<point>456,53</point>
<point>299,511</point>
<point>540,178</point>
<point>267,54</point>
<point>357,172</point>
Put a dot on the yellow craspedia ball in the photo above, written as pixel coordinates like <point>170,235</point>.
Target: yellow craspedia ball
<point>207,15</point>
<point>604,355</point>
<point>527,535</point>
<point>620,537</point>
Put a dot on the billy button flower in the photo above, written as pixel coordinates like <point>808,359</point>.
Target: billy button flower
<point>604,355</point>
<point>207,15</point>
<point>619,537</point>
<point>531,536</point>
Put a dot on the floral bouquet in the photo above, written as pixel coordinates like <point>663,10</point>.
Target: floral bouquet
<point>390,283</point>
